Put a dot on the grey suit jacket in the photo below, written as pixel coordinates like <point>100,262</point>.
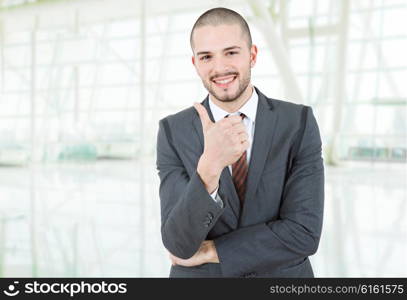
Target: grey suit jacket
<point>280,223</point>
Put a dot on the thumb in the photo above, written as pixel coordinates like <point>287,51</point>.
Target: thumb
<point>203,115</point>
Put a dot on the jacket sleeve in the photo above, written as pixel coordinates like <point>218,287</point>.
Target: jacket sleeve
<point>188,212</point>
<point>295,234</point>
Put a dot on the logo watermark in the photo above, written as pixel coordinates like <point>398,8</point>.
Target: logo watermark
<point>71,288</point>
<point>11,290</point>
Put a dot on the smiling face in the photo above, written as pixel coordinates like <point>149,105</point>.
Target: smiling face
<point>223,59</point>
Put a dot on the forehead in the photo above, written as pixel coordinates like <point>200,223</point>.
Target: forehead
<point>215,38</point>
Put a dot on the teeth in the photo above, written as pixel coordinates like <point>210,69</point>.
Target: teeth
<point>225,81</point>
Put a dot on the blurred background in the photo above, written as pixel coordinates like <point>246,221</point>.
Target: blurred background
<point>83,84</point>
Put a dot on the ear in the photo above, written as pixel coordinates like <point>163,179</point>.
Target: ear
<point>253,55</point>
<point>193,60</point>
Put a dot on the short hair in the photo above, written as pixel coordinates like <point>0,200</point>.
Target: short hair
<point>219,16</point>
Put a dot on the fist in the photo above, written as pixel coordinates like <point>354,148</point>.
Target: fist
<point>224,141</point>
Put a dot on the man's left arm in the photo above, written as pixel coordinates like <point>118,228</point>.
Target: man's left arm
<point>295,235</point>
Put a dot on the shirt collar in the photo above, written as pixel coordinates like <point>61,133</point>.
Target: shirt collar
<point>249,108</point>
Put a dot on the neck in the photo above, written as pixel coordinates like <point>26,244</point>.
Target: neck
<point>236,104</point>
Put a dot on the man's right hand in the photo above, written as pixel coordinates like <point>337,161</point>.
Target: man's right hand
<point>224,143</point>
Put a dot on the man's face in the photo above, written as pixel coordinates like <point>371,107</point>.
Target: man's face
<point>222,58</point>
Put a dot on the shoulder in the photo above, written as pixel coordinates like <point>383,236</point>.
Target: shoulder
<point>297,117</point>
<point>180,119</point>
<point>291,114</point>
<point>282,107</point>
<point>286,107</point>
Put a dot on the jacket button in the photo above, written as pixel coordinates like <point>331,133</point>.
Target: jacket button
<point>250,275</point>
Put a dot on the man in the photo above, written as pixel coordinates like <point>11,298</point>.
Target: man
<point>242,178</point>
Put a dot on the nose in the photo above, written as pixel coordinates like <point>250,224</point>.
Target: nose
<point>219,66</point>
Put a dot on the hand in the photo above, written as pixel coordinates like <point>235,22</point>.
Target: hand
<point>205,254</point>
<point>224,143</point>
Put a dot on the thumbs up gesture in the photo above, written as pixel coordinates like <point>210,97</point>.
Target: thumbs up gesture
<point>224,143</point>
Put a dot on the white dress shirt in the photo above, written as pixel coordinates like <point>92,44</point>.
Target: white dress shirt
<point>249,109</point>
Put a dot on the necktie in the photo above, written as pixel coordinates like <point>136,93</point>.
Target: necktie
<point>239,174</point>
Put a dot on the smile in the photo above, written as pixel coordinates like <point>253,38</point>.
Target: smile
<point>224,82</point>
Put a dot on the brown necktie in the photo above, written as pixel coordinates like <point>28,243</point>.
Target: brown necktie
<point>239,174</point>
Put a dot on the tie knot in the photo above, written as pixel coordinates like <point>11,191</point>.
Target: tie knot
<point>242,115</point>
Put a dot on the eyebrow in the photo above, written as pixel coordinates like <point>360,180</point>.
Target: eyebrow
<point>226,49</point>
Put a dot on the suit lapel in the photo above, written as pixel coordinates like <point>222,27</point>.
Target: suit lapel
<point>265,126</point>
<point>226,184</point>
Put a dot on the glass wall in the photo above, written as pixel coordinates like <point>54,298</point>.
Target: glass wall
<point>83,85</point>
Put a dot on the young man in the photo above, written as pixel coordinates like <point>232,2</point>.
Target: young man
<point>242,178</point>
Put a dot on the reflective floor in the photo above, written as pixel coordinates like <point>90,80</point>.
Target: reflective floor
<point>102,219</point>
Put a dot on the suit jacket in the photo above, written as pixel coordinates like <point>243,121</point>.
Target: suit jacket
<point>280,223</point>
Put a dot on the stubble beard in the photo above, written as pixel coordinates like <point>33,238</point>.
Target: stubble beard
<point>243,84</point>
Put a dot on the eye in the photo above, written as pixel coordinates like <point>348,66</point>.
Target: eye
<point>205,57</point>
<point>231,52</point>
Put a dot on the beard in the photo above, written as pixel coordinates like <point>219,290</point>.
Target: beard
<point>243,83</point>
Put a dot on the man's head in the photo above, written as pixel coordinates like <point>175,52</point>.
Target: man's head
<point>223,53</point>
